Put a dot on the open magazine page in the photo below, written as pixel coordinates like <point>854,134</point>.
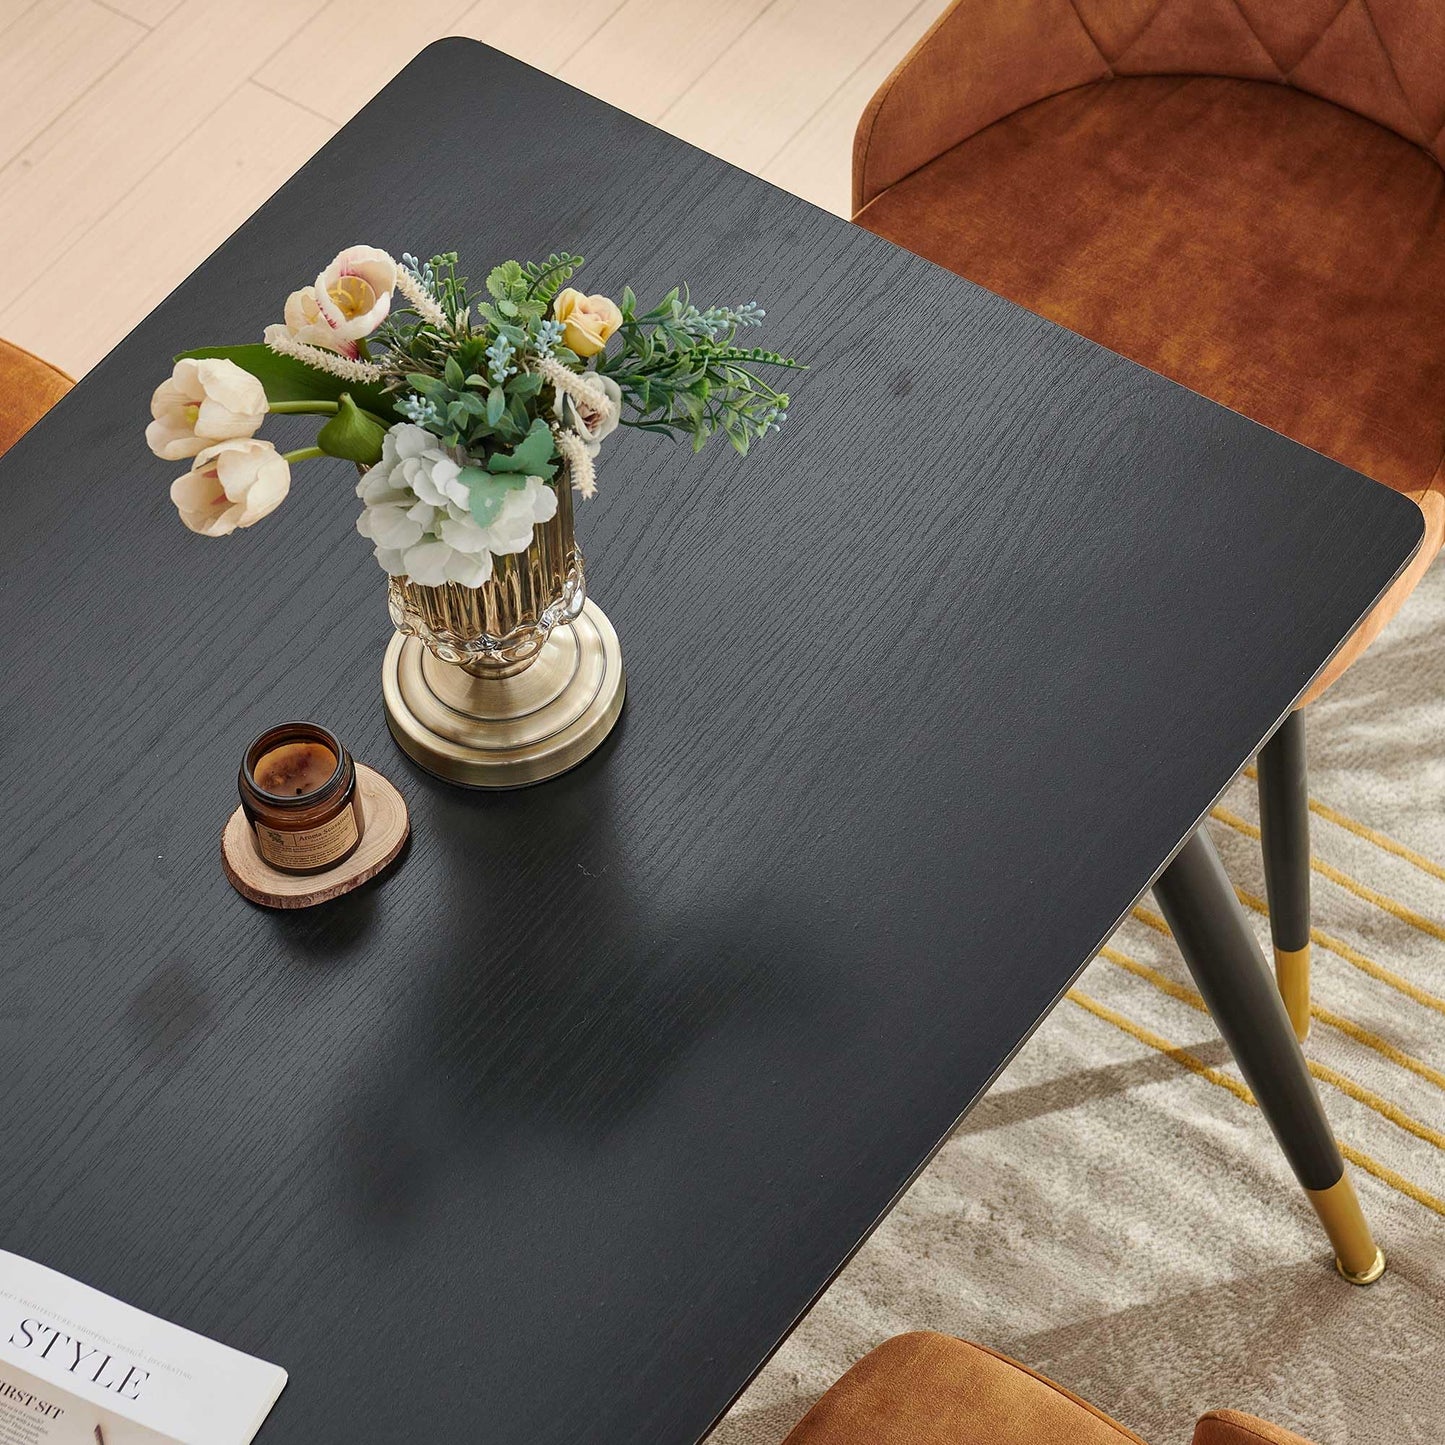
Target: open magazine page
<point>80,1368</point>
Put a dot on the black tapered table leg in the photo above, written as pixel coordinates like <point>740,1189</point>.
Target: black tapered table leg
<point>1284,827</point>
<point>1214,936</point>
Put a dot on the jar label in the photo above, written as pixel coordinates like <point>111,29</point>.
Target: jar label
<point>308,847</point>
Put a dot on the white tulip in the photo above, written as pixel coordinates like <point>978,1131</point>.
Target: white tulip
<point>353,294</point>
<point>232,484</point>
<point>305,322</point>
<point>203,402</point>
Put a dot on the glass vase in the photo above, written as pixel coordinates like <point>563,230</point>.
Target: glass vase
<point>500,628</point>
<point>509,683</point>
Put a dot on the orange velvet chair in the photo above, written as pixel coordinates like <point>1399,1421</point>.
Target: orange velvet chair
<point>29,387</point>
<point>927,1389</point>
<point>1245,195</point>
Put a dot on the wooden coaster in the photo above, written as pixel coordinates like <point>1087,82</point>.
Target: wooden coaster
<point>387,825</point>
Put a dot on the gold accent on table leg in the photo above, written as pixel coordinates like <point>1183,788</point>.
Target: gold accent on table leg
<point>1292,970</point>
<point>507,731</point>
<point>1357,1257</point>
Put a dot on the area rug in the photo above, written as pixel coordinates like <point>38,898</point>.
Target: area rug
<point>1115,1213</point>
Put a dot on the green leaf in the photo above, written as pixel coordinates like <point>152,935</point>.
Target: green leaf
<point>507,308</point>
<point>507,430</point>
<point>429,386</point>
<point>286,379</point>
<point>453,374</point>
<point>525,384</point>
<point>488,492</point>
<point>352,434</point>
<point>546,278</point>
<point>496,405</point>
<point>505,280</point>
<point>530,456</point>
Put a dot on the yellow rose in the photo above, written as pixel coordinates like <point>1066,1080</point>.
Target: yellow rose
<point>587,321</point>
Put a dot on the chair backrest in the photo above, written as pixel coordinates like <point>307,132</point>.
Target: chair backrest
<point>985,59</point>
<point>1384,59</point>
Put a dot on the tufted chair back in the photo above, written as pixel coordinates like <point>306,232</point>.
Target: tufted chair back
<point>984,59</point>
<point>1384,59</point>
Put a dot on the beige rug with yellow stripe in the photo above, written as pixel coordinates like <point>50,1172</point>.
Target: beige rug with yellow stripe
<point>1115,1212</point>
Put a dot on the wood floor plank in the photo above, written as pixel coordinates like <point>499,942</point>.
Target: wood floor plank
<point>347,52</point>
<point>816,162</point>
<point>148,12</point>
<point>99,149</point>
<point>648,54</point>
<point>775,85</point>
<point>772,78</point>
<point>544,33</point>
<point>44,68</point>
<point>12,10</point>
<point>213,181</point>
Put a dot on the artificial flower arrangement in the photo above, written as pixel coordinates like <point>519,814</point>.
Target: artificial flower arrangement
<point>460,410</point>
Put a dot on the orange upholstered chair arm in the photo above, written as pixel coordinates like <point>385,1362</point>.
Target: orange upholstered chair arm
<point>1229,1427</point>
<point>981,61</point>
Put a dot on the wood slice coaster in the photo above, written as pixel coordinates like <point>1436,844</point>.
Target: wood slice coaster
<point>387,825</point>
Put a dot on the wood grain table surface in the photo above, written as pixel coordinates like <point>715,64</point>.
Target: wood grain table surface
<point>553,1134</point>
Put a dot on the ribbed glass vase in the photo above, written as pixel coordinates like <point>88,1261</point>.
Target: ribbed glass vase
<point>496,630</point>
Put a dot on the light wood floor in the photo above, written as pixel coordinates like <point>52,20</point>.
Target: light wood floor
<point>136,135</point>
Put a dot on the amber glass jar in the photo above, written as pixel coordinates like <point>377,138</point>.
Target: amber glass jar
<point>298,791</point>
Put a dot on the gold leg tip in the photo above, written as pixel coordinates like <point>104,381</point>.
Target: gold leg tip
<point>1368,1275</point>
<point>1292,969</point>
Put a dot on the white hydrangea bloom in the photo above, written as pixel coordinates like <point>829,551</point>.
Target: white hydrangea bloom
<point>417,511</point>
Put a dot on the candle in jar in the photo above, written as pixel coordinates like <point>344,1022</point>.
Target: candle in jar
<point>299,794</point>
<point>295,769</point>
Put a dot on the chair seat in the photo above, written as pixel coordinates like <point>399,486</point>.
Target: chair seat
<point>928,1389</point>
<point>29,387</point>
<point>1281,255</point>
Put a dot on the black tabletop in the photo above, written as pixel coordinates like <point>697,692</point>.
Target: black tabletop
<point>552,1135</point>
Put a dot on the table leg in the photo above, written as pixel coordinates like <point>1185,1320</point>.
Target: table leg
<point>1214,936</point>
<point>1284,826</point>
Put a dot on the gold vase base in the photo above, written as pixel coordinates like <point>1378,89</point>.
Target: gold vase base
<point>487,732</point>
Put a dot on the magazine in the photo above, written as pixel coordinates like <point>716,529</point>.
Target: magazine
<point>80,1368</point>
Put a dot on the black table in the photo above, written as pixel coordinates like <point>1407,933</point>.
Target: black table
<point>553,1135</point>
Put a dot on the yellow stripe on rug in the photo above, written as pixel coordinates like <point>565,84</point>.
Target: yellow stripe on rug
<point>1218,1077</point>
<point>1361,1035</point>
<point>1353,885</point>
<point>1371,835</point>
<point>1337,946</point>
<point>1384,1107</point>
